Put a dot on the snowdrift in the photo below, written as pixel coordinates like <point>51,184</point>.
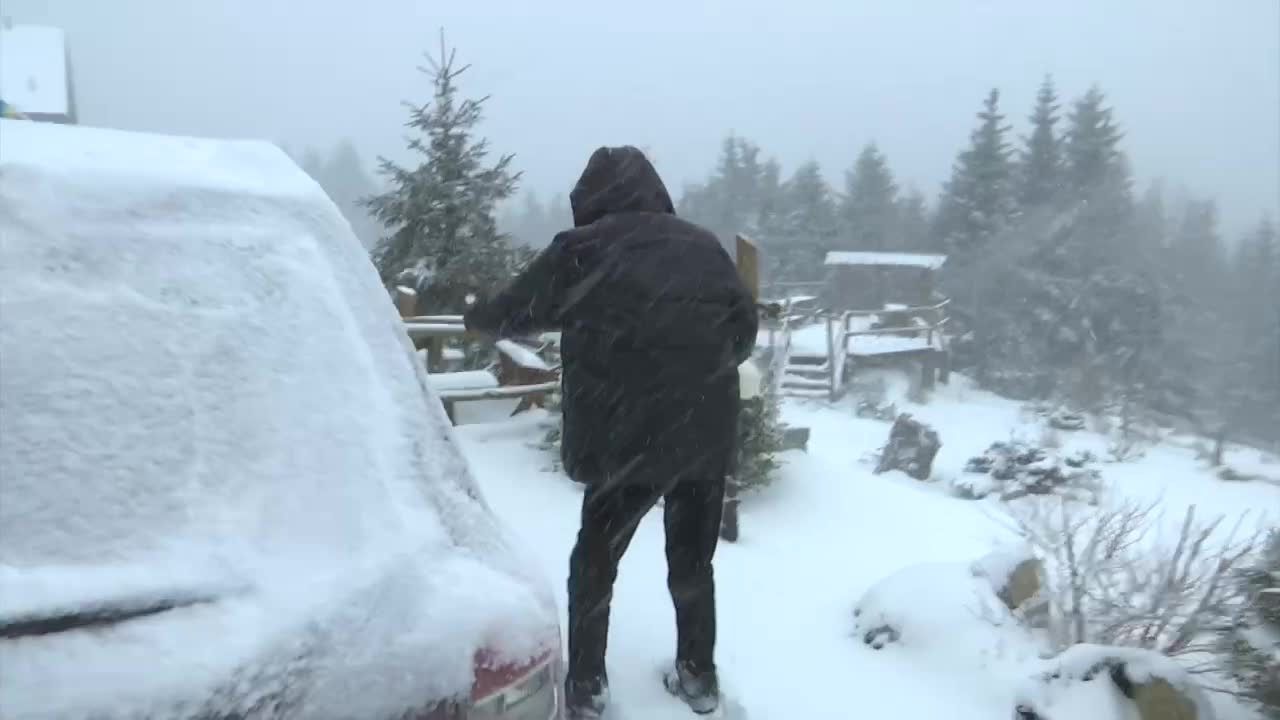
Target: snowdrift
<point>207,396</point>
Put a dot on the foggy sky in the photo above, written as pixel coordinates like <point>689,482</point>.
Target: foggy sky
<point>1196,84</point>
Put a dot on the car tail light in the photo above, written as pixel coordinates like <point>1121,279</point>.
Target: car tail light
<point>530,691</point>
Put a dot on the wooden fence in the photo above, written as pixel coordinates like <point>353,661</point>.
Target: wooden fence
<point>521,372</point>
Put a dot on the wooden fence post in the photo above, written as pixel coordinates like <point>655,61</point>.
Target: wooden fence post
<point>748,260</point>
<point>406,301</point>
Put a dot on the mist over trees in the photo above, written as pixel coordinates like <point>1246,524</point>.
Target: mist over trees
<point>1064,284</point>
<point>344,177</point>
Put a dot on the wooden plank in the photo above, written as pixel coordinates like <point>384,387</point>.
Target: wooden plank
<point>748,255</point>
<point>446,319</point>
<point>521,355</point>
<point>497,393</point>
<point>419,330</point>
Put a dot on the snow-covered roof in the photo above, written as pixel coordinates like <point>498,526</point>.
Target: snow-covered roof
<point>33,69</point>
<point>921,260</point>
<point>208,395</point>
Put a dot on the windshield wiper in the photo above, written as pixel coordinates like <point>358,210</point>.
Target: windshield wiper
<point>32,626</point>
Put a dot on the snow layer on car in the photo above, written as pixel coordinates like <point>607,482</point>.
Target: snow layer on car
<point>207,394</point>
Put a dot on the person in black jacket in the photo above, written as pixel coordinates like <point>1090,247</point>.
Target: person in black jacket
<point>655,322</point>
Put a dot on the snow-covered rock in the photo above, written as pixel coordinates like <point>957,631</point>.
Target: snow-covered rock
<point>208,399</point>
<point>911,448</point>
<point>1014,575</point>
<point>944,611</point>
<point>1127,682</point>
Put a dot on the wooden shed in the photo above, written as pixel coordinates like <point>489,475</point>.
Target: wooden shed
<point>874,280</point>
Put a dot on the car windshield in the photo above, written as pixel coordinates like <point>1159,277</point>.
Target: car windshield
<point>222,386</point>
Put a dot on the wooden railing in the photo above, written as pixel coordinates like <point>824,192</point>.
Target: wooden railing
<point>934,319</point>
<point>521,373</point>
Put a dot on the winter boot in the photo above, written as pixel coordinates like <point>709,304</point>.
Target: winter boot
<point>586,699</point>
<point>699,689</point>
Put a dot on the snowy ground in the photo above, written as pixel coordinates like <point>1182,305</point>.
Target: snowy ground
<point>812,545</point>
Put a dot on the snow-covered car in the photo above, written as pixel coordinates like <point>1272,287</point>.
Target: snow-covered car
<point>226,489</point>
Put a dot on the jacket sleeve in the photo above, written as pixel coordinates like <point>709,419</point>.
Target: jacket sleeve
<point>533,301</point>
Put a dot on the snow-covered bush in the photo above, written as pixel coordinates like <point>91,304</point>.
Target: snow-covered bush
<point>1110,580</point>
<point>553,434</point>
<point>759,440</point>
<point>1063,419</point>
<point>1253,642</point>
<point>1015,469</point>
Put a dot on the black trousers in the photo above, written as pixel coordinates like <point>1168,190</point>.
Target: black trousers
<point>610,515</point>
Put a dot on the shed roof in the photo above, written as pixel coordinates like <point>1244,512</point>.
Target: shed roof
<point>883,259</point>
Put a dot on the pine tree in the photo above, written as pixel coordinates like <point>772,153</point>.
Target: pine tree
<point>1097,188</point>
<point>559,216</point>
<point>808,224</point>
<point>440,214</point>
<point>1151,222</point>
<point>913,222</point>
<point>312,163</point>
<point>759,439</point>
<point>769,209</point>
<point>1255,282</point>
<point>348,184</point>
<point>1093,163</point>
<point>868,210</point>
<point>1040,162</point>
<point>530,228</point>
<point>977,201</point>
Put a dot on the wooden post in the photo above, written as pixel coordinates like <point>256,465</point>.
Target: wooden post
<point>928,369</point>
<point>831,353</point>
<point>406,301</point>
<point>749,270</point>
<point>729,522</point>
<point>749,265</point>
<point>435,354</point>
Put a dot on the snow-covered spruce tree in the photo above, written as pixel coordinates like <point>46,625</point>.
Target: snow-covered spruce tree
<point>807,224</point>
<point>977,202</point>
<point>728,200</point>
<point>868,210</point>
<point>1254,642</point>
<point>913,221</point>
<point>976,206</point>
<point>440,214</point>
<point>1039,170</point>
<point>1256,329</point>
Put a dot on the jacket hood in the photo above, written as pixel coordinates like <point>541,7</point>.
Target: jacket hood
<point>618,179</point>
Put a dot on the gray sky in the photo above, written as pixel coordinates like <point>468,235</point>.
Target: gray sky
<point>1195,83</point>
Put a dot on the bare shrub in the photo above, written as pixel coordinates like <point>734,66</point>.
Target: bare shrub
<point>1110,581</point>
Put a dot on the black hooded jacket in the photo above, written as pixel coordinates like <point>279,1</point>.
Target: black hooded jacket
<point>655,322</point>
